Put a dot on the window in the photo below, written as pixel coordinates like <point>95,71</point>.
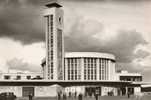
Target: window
<point>7,77</point>
<point>28,77</point>
<point>18,77</point>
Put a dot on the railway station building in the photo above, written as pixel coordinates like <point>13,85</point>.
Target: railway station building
<point>71,72</point>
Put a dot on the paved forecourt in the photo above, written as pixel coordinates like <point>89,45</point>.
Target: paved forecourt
<point>146,97</point>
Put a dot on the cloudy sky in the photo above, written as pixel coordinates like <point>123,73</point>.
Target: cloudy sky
<point>121,27</point>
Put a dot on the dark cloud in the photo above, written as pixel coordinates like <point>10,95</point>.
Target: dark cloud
<point>123,44</point>
<point>146,75</point>
<point>19,64</point>
<point>22,2</point>
<point>22,20</point>
<point>108,0</point>
<point>141,54</point>
<point>130,67</point>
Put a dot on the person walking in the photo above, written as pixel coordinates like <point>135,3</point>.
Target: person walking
<point>64,97</point>
<point>80,97</point>
<point>59,96</point>
<point>30,96</point>
<point>75,94</point>
<point>128,94</point>
<point>96,96</point>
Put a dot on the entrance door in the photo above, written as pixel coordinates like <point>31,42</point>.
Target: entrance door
<point>26,91</point>
<point>89,91</point>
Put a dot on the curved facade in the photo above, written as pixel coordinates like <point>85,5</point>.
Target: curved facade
<point>89,66</point>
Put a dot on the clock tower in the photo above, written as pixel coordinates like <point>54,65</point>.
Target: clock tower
<point>54,41</point>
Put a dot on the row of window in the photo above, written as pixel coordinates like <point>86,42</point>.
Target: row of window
<point>90,60</point>
<point>73,69</point>
<point>72,77</point>
<point>89,73</point>
<point>73,60</point>
<point>18,77</point>
<point>103,72</point>
<point>50,46</point>
<point>91,65</point>
<point>131,78</point>
<point>59,54</point>
<point>90,69</point>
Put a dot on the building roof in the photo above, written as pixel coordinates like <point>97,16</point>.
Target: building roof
<point>86,55</point>
<point>53,3</point>
<point>126,73</point>
<point>89,55</point>
<point>129,74</point>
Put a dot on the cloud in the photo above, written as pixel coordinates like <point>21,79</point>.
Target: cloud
<point>22,2</point>
<point>108,0</point>
<point>141,53</point>
<point>124,44</point>
<point>88,35</point>
<point>146,75</point>
<point>20,64</point>
<point>21,21</point>
<point>23,57</point>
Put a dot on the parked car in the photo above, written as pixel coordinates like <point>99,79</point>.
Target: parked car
<point>7,96</point>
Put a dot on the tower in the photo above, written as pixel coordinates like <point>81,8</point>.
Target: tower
<point>54,41</point>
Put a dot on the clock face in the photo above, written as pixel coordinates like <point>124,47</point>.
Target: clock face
<point>60,20</point>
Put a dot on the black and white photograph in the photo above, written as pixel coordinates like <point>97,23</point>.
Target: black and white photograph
<point>75,49</point>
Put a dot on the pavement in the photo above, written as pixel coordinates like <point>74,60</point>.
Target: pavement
<point>147,97</point>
